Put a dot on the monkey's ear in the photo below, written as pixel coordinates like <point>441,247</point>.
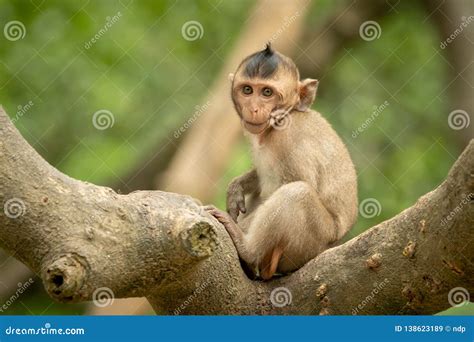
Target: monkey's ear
<point>307,94</point>
<point>231,77</point>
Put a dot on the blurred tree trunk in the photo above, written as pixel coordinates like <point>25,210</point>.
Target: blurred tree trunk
<point>320,45</point>
<point>212,137</point>
<point>448,17</point>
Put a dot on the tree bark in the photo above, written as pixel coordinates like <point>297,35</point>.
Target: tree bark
<point>82,238</point>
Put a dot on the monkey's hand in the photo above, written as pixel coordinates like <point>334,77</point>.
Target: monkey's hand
<point>220,215</point>
<point>225,219</point>
<point>235,200</point>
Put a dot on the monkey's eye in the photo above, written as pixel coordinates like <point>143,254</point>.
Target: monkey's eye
<point>267,92</point>
<point>247,90</point>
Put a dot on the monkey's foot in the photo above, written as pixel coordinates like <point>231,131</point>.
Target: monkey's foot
<point>237,237</point>
<point>221,216</point>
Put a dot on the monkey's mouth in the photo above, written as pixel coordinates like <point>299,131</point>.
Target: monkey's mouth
<point>255,128</point>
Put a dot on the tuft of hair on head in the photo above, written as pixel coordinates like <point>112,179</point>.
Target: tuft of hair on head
<point>268,51</point>
<point>262,64</point>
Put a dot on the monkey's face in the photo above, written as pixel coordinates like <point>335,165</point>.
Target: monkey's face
<point>266,83</point>
<point>255,99</point>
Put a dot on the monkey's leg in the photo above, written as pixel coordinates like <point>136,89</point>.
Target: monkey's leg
<point>293,219</point>
<point>234,231</point>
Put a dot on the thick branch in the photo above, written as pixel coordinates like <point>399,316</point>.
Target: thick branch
<point>81,237</point>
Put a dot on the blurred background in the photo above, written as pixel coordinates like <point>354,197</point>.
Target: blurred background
<point>134,95</point>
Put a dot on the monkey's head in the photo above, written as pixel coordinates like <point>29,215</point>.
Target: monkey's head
<point>265,83</point>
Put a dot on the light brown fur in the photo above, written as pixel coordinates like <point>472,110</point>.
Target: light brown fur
<point>302,195</point>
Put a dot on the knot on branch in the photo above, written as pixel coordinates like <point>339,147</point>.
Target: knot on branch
<point>374,261</point>
<point>64,278</point>
<point>200,240</point>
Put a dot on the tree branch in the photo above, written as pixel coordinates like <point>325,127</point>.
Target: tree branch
<point>81,237</point>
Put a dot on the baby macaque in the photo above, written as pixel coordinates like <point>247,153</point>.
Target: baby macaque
<point>301,197</point>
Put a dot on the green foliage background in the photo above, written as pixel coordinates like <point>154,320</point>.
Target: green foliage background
<point>151,79</point>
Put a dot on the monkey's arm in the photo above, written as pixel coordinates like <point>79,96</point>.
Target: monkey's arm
<point>236,191</point>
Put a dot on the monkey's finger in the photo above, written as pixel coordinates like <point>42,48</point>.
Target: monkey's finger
<point>241,205</point>
<point>233,213</point>
<point>209,207</point>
